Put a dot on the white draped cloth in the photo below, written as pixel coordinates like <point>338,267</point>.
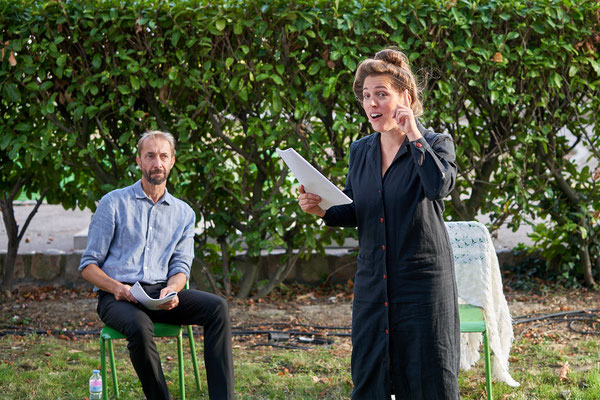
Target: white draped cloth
<point>480,284</point>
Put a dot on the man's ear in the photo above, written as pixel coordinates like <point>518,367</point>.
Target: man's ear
<point>137,160</point>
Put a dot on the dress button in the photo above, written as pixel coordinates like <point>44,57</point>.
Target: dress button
<point>384,276</point>
<point>381,220</point>
<point>387,332</point>
<point>383,247</point>
<point>385,304</point>
<point>419,145</point>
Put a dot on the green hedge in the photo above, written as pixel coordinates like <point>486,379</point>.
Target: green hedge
<point>235,80</point>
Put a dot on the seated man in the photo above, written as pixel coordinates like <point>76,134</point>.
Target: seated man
<point>142,233</point>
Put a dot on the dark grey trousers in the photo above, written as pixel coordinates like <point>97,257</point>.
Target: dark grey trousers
<point>195,308</point>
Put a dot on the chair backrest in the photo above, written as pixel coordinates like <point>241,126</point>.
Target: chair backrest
<point>471,245</point>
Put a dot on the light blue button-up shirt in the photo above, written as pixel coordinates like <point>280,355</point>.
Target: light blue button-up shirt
<point>132,239</point>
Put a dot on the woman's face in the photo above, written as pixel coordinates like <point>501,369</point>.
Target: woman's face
<point>380,101</point>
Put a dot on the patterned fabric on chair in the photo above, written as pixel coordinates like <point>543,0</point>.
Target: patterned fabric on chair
<point>480,284</point>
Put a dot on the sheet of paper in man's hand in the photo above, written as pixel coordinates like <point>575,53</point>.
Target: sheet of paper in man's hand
<point>312,180</point>
<point>152,304</point>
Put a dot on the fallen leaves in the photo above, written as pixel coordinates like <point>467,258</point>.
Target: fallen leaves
<point>309,295</point>
<point>564,371</point>
<point>316,379</point>
<point>66,337</point>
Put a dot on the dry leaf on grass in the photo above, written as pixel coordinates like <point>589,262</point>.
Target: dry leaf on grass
<point>564,371</point>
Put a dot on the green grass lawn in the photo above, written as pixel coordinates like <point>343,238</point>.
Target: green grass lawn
<point>46,367</point>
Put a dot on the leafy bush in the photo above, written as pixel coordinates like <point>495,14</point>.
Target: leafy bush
<point>235,80</point>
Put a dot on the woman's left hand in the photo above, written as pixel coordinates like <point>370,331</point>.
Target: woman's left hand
<point>406,119</point>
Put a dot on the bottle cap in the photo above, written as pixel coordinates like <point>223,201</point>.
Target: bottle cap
<point>95,371</point>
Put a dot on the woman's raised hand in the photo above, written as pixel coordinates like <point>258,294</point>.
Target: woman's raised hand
<point>406,119</point>
<point>309,203</point>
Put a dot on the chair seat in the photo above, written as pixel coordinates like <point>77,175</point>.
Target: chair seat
<point>160,330</point>
<point>471,318</point>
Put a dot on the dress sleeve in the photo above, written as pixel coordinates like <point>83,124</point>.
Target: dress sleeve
<point>345,214</point>
<point>436,165</point>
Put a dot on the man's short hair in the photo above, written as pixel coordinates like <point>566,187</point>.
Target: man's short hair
<point>152,134</point>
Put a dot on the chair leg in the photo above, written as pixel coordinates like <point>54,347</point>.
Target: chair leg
<point>181,373</point>
<point>488,369</point>
<point>103,367</point>
<point>113,369</point>
<point>180,357</point>
<point>194,356</point>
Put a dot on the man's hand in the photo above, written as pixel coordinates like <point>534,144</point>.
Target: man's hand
<point>94,274</point>
<point>171,304</point>
<point>123,292</point>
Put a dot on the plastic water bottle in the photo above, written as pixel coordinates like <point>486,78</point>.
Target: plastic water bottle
<point>96,386</point>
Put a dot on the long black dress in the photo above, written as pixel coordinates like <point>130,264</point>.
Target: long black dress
<point>405,326</point>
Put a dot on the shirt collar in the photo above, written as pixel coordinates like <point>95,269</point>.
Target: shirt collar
<point>167,198</point>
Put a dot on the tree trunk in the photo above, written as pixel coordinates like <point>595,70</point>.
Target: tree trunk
<point>9,267</point>
<point>587,265</point>
<point>225,266</point>
<point>12,231</point>
<point>281,273</point>
<point>10,223</point>
<point>211,280</point>
<point>249,277</point>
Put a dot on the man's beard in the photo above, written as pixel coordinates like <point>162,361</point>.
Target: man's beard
<point>157,180</point>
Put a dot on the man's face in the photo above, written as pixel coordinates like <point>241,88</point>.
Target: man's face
<point>155,160</point>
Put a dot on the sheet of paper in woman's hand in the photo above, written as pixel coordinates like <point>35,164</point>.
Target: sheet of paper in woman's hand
<point>313,180</point>
<point>152,304</point>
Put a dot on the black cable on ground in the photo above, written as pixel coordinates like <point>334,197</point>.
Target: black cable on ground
<point>570,317</point>
<point>50,332</point>
<point>590,316</point>
<point>580,331</point>
<point>528,318</point>
<point>295,325</point>
<point>313,338</point>
<point>281,346</point>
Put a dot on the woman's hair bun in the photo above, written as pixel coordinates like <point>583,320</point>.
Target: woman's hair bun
<point>393,56</point>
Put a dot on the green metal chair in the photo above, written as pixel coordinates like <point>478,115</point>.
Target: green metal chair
<point>108,334</point>
<point>472,320</point>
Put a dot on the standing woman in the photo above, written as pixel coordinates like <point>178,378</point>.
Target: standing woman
<point>405,326</point>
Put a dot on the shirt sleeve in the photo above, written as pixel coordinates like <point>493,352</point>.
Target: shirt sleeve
<point>100,234</point>
<point>436,165</point>
<point>181,260</point>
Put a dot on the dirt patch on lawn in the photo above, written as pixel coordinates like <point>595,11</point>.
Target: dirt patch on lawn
<point>72,310</point>
<point>75,310</point>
